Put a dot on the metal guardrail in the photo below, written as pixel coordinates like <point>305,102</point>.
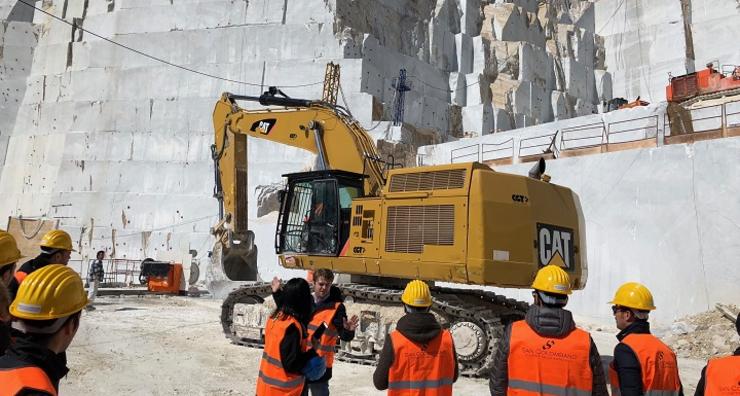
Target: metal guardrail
<point>727,115</point>
<point>567,133</point>
<point>496,148</point>
<point>539,145</point>
<point>117,271</point>
<point>623,128</point>
<point>468,153</point>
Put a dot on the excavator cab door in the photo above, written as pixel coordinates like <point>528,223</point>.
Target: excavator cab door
<point>315,212</point>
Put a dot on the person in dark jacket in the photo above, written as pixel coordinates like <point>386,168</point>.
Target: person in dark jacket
<point>327,307</point>
<point>9,255</point>
<point>287,360</point>
<point>637,347</point>
<point>56,248</point>
<point>728,366</point>
<point>550,327</point>
<point>46,315</point>
<point>418,328</point>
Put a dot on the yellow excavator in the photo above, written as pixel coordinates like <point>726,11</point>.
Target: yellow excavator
<point>460,223</point>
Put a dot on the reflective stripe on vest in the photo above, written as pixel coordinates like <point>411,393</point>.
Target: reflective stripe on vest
<point>12,381</point>
<point>20,276</point>
<point>272,378</point>
<point>328,341</point>
<point>658,366</point>
<point>723,377</point>
<point>557,366</point>
<point>420,369</point>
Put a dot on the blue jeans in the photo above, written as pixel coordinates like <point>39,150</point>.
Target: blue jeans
<point>317,388</point>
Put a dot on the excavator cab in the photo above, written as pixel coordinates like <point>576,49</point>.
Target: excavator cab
<point>315,212</point>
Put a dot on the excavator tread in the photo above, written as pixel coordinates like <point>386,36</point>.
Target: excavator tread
<point>490,311</point>
<point>709,96</point>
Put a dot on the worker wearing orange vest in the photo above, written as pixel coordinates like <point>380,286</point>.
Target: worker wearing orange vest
<point>56,248</point>
<point>642,363</point>
<point>328,309</point>
<point>46,313</point>
<point>418,357</point>
<point>721,376</point>
<point>288,361</point>
<point>9,255</point>
<point>546,353</point>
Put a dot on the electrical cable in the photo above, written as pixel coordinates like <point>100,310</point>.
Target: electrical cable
<point>152,57</point>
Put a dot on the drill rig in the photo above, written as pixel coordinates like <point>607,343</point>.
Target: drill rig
<point>460,223</point>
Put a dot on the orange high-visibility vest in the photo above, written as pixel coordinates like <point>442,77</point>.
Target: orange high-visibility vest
<point>545,365</point>
<point>272,378</point>
<point>723,377</point>
<point>421,370</point>
<point>328,341</point>
<point>658,366</point>
<point>14,380</point>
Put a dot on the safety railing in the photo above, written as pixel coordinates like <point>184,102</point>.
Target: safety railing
<point>497,151</point>
<point>465,154</point>
<point>538,145</point>
<point>632,130</point>
<point>117,271</point>
<point>583,136</point>
<point>713,118</point>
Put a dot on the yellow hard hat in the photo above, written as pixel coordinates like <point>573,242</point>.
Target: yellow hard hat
<point>51,292</point>
<point>57,239</point>
<point>416,294</point>
<point>552,279</point>
<point>634,295</point>
<point>9,252</point>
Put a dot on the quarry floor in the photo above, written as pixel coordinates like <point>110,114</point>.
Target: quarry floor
<point>158,345</point>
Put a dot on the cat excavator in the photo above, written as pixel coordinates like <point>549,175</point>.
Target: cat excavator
<point>380,226</point>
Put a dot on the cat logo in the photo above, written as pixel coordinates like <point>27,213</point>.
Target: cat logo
<point>553,239</point>
<point>263,126</point>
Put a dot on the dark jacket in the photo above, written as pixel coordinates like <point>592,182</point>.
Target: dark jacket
<point>4,337</point>
<point>96,271</point>
<point>291,356</point>
<point>547,322</point>
<point>702,381</point>
<point>26,353</point>
<point>420,327</point>
<point>335,295</point>
<point>626,363</point>
<point>42,260</point>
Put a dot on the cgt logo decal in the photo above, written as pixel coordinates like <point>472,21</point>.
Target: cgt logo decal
<point>552,239</point>
<point>548,345</point>
<point>263,126</point>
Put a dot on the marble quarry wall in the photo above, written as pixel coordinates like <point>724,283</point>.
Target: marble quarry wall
<point>644,40</point>
<point>117,145</point>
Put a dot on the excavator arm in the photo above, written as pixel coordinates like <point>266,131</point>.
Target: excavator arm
<point>326,130</point>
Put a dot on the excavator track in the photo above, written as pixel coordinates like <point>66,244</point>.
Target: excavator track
<point>709,96</point>
<point>476,318</point>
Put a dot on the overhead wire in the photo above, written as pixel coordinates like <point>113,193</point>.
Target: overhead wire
<point>158,59</point>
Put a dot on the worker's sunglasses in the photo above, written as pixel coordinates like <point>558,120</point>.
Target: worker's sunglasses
<point>617,308</point>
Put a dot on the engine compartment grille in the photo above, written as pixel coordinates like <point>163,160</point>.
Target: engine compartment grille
<point>432,180</point>
<point>409,228</point>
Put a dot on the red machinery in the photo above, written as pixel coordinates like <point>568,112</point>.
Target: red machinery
<point>708,82</point>
<point>162,277</point>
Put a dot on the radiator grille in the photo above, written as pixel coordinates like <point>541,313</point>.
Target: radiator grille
<point>409,228</point>
<point>434,180</point>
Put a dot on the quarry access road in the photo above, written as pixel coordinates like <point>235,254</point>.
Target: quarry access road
<point>161,345</point>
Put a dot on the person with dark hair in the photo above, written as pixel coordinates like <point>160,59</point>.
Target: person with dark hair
<point>9,255</point>
<point>642,363</point>
<point>328,310</point>
<point>545,352</point>
<point>721,376</point>
<point>95,276</point>
<point>56,248</point>
<point>288,361</point>
<point>418,357</point>
<point>46,314</point>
